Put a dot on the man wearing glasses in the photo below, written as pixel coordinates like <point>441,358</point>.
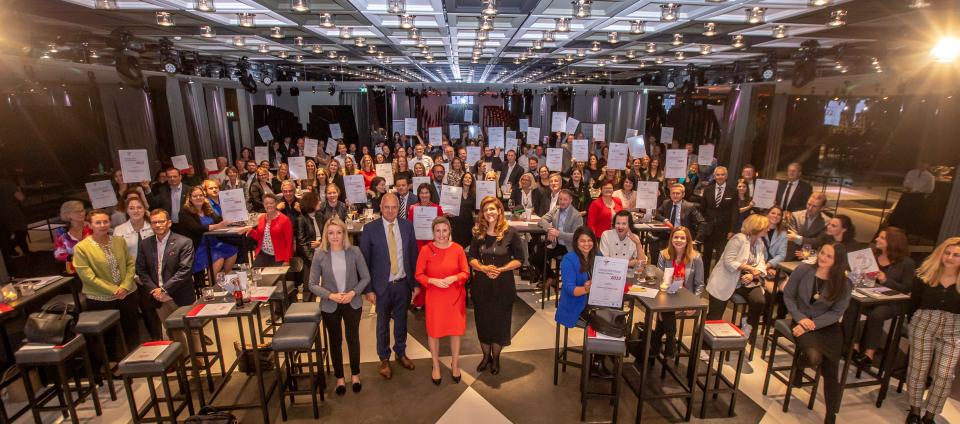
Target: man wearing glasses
<point>164,264</point>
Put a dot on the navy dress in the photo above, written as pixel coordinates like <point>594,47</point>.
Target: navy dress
<point>218,249</point>
<point>493,299</point>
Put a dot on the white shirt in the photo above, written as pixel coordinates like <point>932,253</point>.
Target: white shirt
<point>629,201</point>
<point>919,181</point>
<point>132,237</point>
<point>175,202</point>
<point>425,160</point>
<point>611,245</point>
<point>396,234</point>
<point>553,200</point>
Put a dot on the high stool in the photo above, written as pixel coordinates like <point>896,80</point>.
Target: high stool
<point>545,294</point>
<point>717,347</point>
<point>169,360</point>
<point>94,325</point>
<point>613,348</point>
<point>781,328</point>
<point>175,330</point>
<point>560,353</point>
<point>32,356</point>
<point>310,312</point>
<point>292,339</point>
<point>683,350</point>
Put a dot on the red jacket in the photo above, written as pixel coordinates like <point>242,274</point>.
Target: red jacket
<point>281,233</point>
<point>600,217</point>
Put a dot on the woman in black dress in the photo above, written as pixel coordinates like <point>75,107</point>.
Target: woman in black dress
<point>495,252</point>
<point>462,224</point>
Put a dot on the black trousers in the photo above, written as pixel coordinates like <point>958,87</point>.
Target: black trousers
<point>351,322</point>
<point>756,303</point>
<point>821,348</point>
<point>129,308</point>
<point>543,255</point>
<point>148,310</point>
<point>872,336</point>
<point>264,259</point>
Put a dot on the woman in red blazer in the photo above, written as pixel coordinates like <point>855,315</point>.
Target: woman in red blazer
<point>274,246</point>
<point>601,212</point>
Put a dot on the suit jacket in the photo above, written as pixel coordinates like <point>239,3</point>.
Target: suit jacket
<point>571,223</point>
<point>536,197</point>
<point>160,198</point>
<point>176,270</point>
<point>690,216</point>
<point>776,247</point>
<point>323,282</point>
<point>373,245</point>
<point>721,219</point>
<point>801,193</point>
<point>513,178</point>
<point>411,199</point>
<point>809,231</point>
<point>305,233</point>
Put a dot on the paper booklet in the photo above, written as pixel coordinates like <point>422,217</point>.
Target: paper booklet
<point>722,329</point>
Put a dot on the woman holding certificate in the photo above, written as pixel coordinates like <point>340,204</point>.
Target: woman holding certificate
<point>196,218</point>
<point>442,271</point>
<point>426,198</point>
<point>575,269</point>
<point>495,251</point>
<point>274,236</point>
<point>686,264</point>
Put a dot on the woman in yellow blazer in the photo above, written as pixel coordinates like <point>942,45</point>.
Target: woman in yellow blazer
<point>106,271</point>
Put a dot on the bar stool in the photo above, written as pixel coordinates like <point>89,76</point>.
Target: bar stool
<point>310,312</point>
<point>292,339</point>
<point>560,354</point>
<point>545,294</point>
<point>282,298</point>
<point>169,360</point>
<point>613,348</point>
<point>32,356</point>
<point>718,347</point>
<point>175,330</point>
<point>94,325</point>
<point>781,328</point>
<point>683,350</point>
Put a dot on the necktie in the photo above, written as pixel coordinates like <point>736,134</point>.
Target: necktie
<point>786,194</point>
<point>719,194</point>
<point>392,248</point>
<point>403,207</point>
<point>676,215</point>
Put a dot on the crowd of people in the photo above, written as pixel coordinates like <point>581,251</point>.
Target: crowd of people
<point>142,257</point>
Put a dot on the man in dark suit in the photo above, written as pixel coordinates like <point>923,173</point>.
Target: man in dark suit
<point>407,198</point>
<point>808,224</point>
<point>164,268</point>
<point>172,196</point>
<point>390,250</point>
<point>677,212</point>
<point>794,192</point>
<point>719,206</point>
<point>511,172</point>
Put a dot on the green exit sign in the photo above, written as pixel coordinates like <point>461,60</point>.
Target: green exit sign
<point>231,115</point>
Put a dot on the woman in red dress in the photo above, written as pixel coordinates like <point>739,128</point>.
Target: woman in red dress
<point>442,271</point>
<point>601,212</point>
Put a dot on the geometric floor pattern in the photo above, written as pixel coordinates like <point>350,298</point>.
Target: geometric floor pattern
<point>523,392</point>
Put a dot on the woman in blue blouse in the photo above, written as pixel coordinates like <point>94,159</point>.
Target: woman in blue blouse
<point>575,271</point>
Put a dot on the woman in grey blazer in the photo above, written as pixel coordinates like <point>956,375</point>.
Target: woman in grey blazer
<point>338,274</point>
<point>686,263</point>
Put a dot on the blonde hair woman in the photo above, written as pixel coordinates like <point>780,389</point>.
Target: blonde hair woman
<point>495,251</point>
<point>742,270</point>
<point>935,331</point>
<point>337,276</point>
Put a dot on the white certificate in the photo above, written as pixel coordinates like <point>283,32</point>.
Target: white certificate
<point>600,132</point>
<point>423,217</point>
<point>581,150</point>
<point>559,122</point>
<point>356,192</point>
<point>666,135</point>
<point>298,167</point>
<point>180,162</point>
<point>484,189</point>
<point>261,153</point>
<point>637,149</point>
<point>631,133</point>
<point>511,134</point>
<point>647,194</point>
<point>862,261</point>
<point>450,197</point>
<point>571,126</point>
<point>410,126</point>
<point>385,171</point>
<point>417,181</point>
<point>335,131</point>
<point>233,205</point>
<point>473,155</point>
<point>134,165</point>
<point>331,147</point>
<point>533,135</point>
<point>705,157</point>
<point>676,166</point>
<point>265,133</point>
<point>765,193</point>
<point>617,156</point>
<point>555,159</point>
<point>495,137</point>
<point>101,194</point>
<point>435,136</point>
<point>453,131</point>
<point>608,279</point>
<point>310,147</point>
<point>524,124</point>
<point>511,144</point>
<point>468,115</point>
<point>210,165</point>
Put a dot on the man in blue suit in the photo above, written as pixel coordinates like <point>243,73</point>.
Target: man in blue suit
<point>390,250</point>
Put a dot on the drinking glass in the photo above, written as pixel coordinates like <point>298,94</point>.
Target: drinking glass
<point>651,274</point>
<point>207,293</point>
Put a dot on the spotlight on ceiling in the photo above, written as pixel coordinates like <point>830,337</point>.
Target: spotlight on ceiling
<point>300,6</point>
<point>396,7</point>
<point>489,8</point>
<point>346,33</point>
<point>677,39</point>
<point>709,29</point>
<point>636,27</point>
<point>276,32</point>
<point>165,19</point>
<point>837,18</point>
<point>326,20</point>
<point>738,41</point>
<point>581,9</point>
<point>562,24</point>
<point>669,12</point>
<point>780,31</point>
<point>407,21</point>
<point>755,15</point>
<point>247,20</point>
<point>207,31</point>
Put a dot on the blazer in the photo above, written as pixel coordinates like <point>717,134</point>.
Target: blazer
<point>255,197</point>
<point>176,271</point>
<point>776,247</point>
<point>690,216</point>
<point>808,231</point>
<point>901,275</point>
<point>798,201</point>
<point>569,307</point>
<point>693,274</point>
<point>513,178</point>
<point>94,272</point>
<point>570,224</point>
<point>322,282</point>
<point>191,227</point>
<point>536,197</point>
<point>725,276</point>
<point>545,197</point>
<point>281,234</point>
<point>799,291</point>
<point>721,219</point>
<point>411,199</point>
<point>305,234</point>
<point>373,245</point>
<point>160,198</point>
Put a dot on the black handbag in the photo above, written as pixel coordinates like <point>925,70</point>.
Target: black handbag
<point>609,322</point>
<point>210,415</point>
<point>52,325</point>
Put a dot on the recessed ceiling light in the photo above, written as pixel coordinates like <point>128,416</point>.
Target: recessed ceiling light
<point>317,49</point>
<point>780,31</point>
<point>651,47</point>
<point>738,41</point>
<point>537,44</point>
<point>205,6</point>
<point>300,6</point>
<point>709,29</point>
<point>636,27</point>
<point>239,41</point>
<point>581,9</point>
<point>659,60</point>
<point>581,53</point>
<point>207,31</point>
<point>371,49</point>
<point>346,33</point>
<point>680,56</point>
<point>549,36</point>
<point>562,24</point>
<point>360,42</point>
<point>705,49</point>
<point>413,34</point>
<point>284,54</point>
<point>489,8</point>
<point>343,59</point>
<point>838,18</point>
<point>677,39</point>
<point>755,15</point>
<point>613,37</point>
<point>298,41</point>
<point>326,20</point>
<point>631,54</point>
<point>595,46</point>
<point>247,19</point>
<point>669,12</point>
<point>332,54</point>
<point>407,21</point>
<point>164,19</point>
<point>263,48</point>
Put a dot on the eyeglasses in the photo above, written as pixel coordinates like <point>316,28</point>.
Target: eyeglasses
<point>159,222</point>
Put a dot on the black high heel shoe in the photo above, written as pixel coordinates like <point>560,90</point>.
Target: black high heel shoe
<point>456,378</point>
<point>495,367</point>
<point>341,390</point>
<point>357,387</point>
<point>484,363</point>
<point>436,381</point>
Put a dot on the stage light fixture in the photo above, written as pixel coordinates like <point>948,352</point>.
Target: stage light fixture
<point>263,48</point>
<point>346,33</point>
<point>562,24</point>
<point>677,39</point>
<point>165,19</point>
<point>298,41</point>
<point>595,46</point>
<point>326,20</point>
<point>669,12</point>
<point>407,21</point>
<point>651,47</point>
<point>300,6</point>
<point>636,27</point>
<point>737,41</point>
<point>204,6</point>
<point>396,7</point>
<point>247,20</point>
<point>779,31</point>
<point>613,37</point>
<point>489,8</point>
<point>837,18</point>
<point>755,15</point>
<point>946,50</point>
<point>709,29</point>
<point>581,9</point>
<point>207,31</point>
